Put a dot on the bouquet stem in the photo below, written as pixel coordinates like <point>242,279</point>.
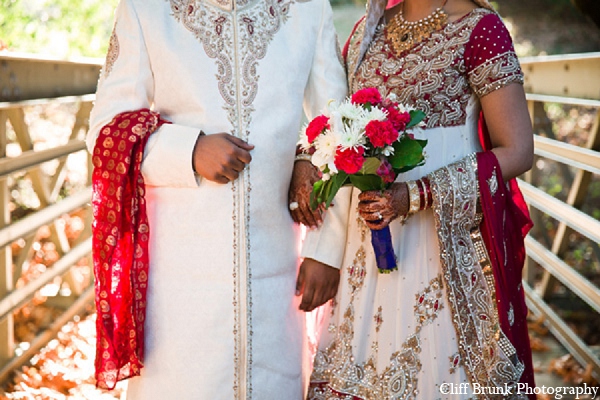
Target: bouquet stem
<point>384,251</point>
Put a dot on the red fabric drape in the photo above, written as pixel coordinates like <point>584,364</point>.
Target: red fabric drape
<point>120,245</point>
<point>505,224</point>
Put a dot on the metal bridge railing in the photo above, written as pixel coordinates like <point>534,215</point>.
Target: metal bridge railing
<point>568,80</point>
<point>26,81</point>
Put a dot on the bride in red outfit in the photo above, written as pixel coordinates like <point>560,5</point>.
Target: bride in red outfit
<point>450,323</point>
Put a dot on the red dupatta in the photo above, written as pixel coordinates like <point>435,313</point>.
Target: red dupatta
<point>505,224</point>
<point>120,236</point>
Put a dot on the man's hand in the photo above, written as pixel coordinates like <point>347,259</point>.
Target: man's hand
<point>317,283</point>
<point>220,157</point>
<point>303,177</point>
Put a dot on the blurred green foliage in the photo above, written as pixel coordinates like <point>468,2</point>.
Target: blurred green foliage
<point>59,28</point>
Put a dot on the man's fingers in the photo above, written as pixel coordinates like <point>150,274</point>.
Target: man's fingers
<point>237,165</point>
<point>307,298</point>
<point>300,281</point>
<point>320,284</point>
<point>221,179</point>
<point>230,173</point>
<point>240,143</point>
<point>318,299</point>
<point>242,155</point>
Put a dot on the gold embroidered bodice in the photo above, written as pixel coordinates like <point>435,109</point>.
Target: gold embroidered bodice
<point>471,56</point>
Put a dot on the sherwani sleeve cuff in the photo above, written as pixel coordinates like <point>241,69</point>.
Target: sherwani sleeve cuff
<point>327,244</point>
<point>168,157</point>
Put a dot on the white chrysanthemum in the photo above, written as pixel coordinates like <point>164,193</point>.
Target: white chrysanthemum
<point>351,111</point>
<point>353,136</point>
<point>303,139</point>
<point>325,145</point>
<point>392,97</point>
<point>376,113</point>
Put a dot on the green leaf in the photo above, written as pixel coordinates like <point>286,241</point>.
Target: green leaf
<point>370,166</point>
<point>367,182</point>
<point>408,168</point>
<point>335,183</point>
<point>407,153</point>
<point>416,116</point>
<point>316,194</point>
<point>422,142</point>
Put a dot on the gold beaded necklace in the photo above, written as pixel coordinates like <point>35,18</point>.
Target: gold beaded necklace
<point>404,34</point>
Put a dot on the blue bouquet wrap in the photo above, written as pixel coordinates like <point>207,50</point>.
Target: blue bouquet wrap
<point>384,252</point>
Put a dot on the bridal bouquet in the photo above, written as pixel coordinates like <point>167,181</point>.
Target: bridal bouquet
<point>364,141</point>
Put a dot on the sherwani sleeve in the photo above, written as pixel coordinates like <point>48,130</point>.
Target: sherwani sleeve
<point>327,81</point>
<point>126,84</point>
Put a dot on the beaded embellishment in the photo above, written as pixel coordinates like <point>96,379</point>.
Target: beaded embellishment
<point>404,34</point>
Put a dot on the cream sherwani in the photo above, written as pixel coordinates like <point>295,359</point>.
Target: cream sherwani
<point>222,319</point>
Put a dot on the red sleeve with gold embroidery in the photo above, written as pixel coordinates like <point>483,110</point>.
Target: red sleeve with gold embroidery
<point>490,58</point>
<point>120,236</point>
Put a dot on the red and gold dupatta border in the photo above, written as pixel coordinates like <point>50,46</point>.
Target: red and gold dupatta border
<point>487,355</point>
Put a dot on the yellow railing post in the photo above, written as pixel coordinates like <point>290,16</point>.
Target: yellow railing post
<point>6,272</point>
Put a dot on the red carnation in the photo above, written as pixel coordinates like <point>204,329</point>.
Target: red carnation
<point>398,119</point>
<point>349,160</point>
<point>366,95</point>
<point>316,127</point>
<point>381,133</point>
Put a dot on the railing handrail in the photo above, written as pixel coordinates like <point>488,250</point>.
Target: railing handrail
<point>566,153</point>
<point>23,56</point>
<point>558,57</point>
<point>561,211</point>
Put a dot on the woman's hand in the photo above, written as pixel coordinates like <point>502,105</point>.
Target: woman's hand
<point>379,208</point>
<point>303,178</point>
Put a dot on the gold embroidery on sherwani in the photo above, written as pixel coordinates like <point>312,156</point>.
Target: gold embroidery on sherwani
<point>112,54</point>
<point>487,356</point>
<point>237,42</point>
<point>431,75</point>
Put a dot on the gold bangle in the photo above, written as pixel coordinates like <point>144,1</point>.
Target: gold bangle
<point>303,157</point>
<point>415,199</point>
